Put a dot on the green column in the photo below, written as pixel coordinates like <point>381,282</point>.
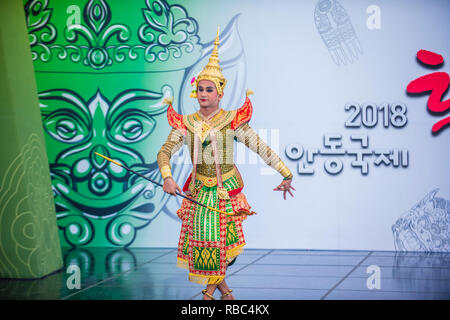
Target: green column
<point>29,241</point>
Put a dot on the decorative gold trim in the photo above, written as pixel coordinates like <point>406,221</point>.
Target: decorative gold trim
<point>234,252</point>
<point>182,263</point>
<point>212,181</point>
<point>212,115</point>
<point>192,189</point>
<point>202,128</point>
<point>204,279</point>
<point>223,193</point>
<point>222,119</point>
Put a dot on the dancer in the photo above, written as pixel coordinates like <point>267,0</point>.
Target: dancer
<point>211,240</point>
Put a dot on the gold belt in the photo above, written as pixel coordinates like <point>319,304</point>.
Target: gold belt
<point>212,181</point>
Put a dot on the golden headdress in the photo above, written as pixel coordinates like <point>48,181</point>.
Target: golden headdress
<point>212,71</point>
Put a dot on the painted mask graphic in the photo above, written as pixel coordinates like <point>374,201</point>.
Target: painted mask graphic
<point>102,89</point>
<point>87,186</point>
<point>426,227</point>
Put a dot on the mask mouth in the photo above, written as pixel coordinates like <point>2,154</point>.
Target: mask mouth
<point>100,207</point>
<point>106,206</point>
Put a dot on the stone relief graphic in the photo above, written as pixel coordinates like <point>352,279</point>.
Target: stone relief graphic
<point>337,32</point>
<point>98,203</point>
<point>425,227</point>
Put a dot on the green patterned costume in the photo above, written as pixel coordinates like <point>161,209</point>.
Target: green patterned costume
<point>209,240</point>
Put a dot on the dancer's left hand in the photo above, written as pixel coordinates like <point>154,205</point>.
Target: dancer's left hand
<point>285,186</point>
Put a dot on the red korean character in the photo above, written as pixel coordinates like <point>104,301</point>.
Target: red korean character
<point>436,82</point>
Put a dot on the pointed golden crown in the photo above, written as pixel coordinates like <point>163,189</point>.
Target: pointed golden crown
<point>212,71</point>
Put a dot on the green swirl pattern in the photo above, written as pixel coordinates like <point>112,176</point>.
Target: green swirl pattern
<point>165,34</point>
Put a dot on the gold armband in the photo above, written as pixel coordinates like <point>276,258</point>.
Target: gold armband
<point>283,170</point>
<point>166,172</point>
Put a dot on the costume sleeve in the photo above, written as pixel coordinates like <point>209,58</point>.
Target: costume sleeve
<point>173,143</point>
<point>246,135</point>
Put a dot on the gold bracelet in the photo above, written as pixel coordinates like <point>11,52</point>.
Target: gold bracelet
<point>165,172</point>
<point>283,170</point>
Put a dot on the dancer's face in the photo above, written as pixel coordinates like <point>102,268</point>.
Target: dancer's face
<point>207,95</point>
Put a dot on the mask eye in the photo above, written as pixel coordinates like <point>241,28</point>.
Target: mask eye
<point>66,129</point>
<point>66,126</point>
<point>133,127</point>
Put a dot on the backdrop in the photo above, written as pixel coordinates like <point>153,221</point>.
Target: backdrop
<point>336,96</point>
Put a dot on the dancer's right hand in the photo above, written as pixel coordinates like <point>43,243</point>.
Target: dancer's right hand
<point>170,186</point>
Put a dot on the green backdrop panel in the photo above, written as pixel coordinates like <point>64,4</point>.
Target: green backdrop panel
<point>103,69</point>
<point>29,240</point>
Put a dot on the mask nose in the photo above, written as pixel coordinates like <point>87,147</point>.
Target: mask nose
<point>97,161</point>
<point>99,182</point>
